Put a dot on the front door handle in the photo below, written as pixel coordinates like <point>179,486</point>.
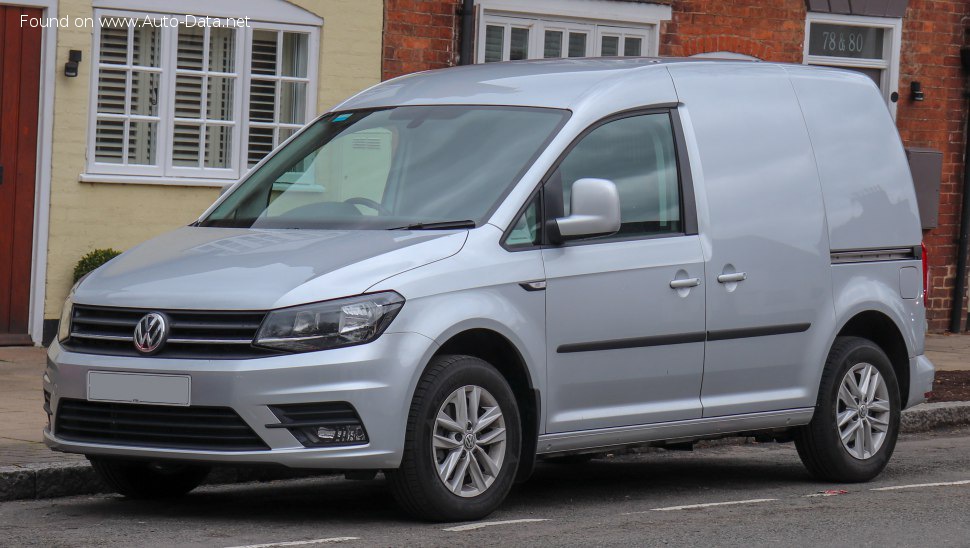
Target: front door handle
<point>685,283</point>
<point>732,278</point>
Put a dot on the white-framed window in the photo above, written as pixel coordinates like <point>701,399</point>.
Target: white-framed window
<point>511,30</point>
<point>869,45</point>
<point>194,104</point>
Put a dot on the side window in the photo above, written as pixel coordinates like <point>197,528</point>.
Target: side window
<point>525,232</point>
<point>637,154</point>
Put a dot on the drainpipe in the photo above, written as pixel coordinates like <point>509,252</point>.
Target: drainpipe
<point>957,311</point>
<point>467,32</point>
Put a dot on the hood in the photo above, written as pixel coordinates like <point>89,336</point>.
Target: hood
<point>243,269</point>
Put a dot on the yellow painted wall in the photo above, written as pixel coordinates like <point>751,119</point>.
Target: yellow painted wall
<point>87,216</point>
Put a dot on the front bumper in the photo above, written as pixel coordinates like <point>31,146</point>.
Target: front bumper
<point>376,378</point>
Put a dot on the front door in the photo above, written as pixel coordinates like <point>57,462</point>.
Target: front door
<point>625,344</point>
<point>19,103</point>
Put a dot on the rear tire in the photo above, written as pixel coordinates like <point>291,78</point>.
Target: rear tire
<point>448,469</point>
<point>856,423</point>
<point>149,480</point>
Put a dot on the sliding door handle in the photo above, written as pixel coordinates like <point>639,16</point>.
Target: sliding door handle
<point>685,283</point>
<point>732,278</point>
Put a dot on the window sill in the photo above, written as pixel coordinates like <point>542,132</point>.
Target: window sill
<point>149,180</point>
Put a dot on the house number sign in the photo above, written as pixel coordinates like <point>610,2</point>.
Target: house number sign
<point>846,41</point>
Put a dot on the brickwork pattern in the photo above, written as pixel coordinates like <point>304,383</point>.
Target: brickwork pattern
<point>767,30</point>
<point>933,32</point>
<point>420,35</point>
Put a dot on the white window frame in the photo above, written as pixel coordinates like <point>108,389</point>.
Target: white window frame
<point>566,28</point>
<point>313,50</point>
<point>93,116</point>
<point>594,18</point>
<point>509,23</point>
<point>164,173</point>
<point>892,44</point>
<point>645,34</point>
<point>238,109</point>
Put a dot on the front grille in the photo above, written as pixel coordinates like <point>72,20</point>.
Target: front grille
<point>193,333</point>
<point>162,426</point>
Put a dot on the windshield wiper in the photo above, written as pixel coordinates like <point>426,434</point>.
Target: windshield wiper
<point>442,225</point>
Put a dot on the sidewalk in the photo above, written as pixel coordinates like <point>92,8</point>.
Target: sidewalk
<point>22,416</point>
<point>949,352</point>
<point>29,468</point>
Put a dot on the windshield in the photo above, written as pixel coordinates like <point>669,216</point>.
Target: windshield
<point>404,167</point>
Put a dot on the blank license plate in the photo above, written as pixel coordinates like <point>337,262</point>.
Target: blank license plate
<point>139,388</point>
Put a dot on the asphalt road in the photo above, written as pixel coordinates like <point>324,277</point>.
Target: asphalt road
<point>629,500</point>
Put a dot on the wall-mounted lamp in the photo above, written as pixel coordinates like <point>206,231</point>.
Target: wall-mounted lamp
<point>73,59</point>
<point>916,91</point>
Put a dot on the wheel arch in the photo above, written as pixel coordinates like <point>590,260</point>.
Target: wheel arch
<point>881,329</point>
<point>498,350</point>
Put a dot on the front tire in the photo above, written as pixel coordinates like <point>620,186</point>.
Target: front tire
<point>856,423</point>
<point>461,449</point>
<point>148,480</point>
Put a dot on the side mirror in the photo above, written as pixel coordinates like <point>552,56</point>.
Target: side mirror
<point>594,211</point>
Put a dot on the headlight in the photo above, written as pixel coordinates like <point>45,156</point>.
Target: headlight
<point>64,325</point>
<point>329,324</point>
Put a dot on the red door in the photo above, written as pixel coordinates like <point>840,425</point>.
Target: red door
<point>19,103</point>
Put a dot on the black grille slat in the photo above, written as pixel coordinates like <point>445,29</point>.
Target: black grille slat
<point>152,422</point>
<point>193,427</point>
<point>205,326</point>
<point>149,411</point>
<point>136,434</point>
<point>206,334</point>
<point>110,322</point>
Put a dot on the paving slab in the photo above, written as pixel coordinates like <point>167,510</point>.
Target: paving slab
<point>949,352</point>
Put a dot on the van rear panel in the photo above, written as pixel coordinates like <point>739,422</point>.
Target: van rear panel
<point>870,202</point>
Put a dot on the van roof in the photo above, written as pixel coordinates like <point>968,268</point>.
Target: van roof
<point>555,83</point>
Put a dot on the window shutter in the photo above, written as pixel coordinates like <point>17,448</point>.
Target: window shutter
<point>110,134</point>
<point>278,89</point>
<point>202,129</point>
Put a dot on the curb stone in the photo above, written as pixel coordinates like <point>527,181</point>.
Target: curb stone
<point>50,480</point>
<point>66,479</point>
<point>931,416</point>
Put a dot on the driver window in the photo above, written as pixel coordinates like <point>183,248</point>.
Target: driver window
<point>352,166</point>
<point>637,154</point>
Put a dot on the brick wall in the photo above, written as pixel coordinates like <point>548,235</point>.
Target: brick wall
<point>423,34</point>
<point>932,34</point>
<point>769,30</point>
<point>420,35</point>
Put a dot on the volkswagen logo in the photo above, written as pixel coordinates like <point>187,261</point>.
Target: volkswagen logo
<point>151,333</point>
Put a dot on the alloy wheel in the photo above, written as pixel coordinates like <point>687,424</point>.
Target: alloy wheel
<point>862,411</point>
<point>468,442</point>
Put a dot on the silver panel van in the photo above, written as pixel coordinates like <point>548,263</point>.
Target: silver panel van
<point>455,273</point>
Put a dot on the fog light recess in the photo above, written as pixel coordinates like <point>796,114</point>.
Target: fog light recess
<point>325,424</point>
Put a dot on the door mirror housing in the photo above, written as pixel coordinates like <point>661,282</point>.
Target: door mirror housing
<point>594,211</point>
